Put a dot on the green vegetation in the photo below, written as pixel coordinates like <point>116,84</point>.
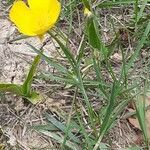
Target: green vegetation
<point>91,71</point>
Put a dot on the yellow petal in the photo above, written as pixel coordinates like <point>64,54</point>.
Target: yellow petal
<point>54,11</point>
<point>47,10</point>
<point>20,14</point>
<point>42,5</point>
<point>36,19</point>
<point>87,12</point>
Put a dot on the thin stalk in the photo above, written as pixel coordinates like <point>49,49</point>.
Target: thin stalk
<point>70,20</point>
<point>76,69</point>
<point>99,76</point>
<point>69,118</point>
<point>99,141</point>
<point>136,13</point>
<point>109,68</point>
<point>66,51</point>
<point>124,69</point>
<point>26,87</point>
<point>83,128</point>
<point>90,109</point>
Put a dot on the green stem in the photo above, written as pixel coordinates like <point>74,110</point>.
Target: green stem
<point>89,107</point>
<point>76,70</point>
<point>26,87</point>
<point>87,139</point>
<point>69,118</point>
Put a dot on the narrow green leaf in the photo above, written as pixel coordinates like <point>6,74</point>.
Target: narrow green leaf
<point>62,127</point>
<point>17,89</point>
<point>21,37</point>
<point>50,61</point>
<point>47,127</point>
<point>34,97</point>
<point>13,88</point>
<point>86,4</point>
<point>139,47</point>
<point>105,125</point>
<point>140,14</point>
<point>27,83</point>
<point>83,131</point>
<point>50,76</point>
<point>134,148</point>
<point>94,36</point>
<point>66,51</point>
<point>104,4</point>
<point>59,139</point>
<point>103,146</point>
<point>140,112</point>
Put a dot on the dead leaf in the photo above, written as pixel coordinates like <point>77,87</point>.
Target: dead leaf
<point>117,57</point>
<point>134,122</point>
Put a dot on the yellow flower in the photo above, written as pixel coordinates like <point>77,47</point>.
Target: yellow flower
<point>36,17</point>
<point>87,12</point>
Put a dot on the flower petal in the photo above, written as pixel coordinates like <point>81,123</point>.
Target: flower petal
<point>20,14</point>
<point>36,19</point>
<point>54,11</point>
<point>49,8</point>
<point>46,12</point>
<point>41,4</point>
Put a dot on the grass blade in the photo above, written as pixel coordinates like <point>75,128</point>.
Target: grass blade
<point>13,88</point>
<point>26,87</point>
<point>139,47</point>
<point>59,139</point>
<point>66,51</point>
<point>140,112</point>
<point>62,127</point>
<point>50,61</point>
<point>94,36</point>
<point>114,3</point>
